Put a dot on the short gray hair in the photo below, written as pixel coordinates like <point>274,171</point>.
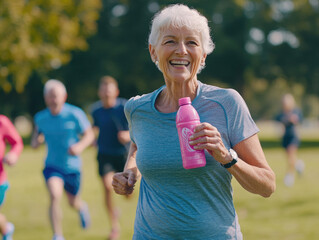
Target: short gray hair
<point>53,84</point>
<point>179,15</point>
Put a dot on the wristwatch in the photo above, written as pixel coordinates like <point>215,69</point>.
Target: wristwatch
<point>234,156</point>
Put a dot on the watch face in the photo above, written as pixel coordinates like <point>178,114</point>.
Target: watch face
<point>233,154</point>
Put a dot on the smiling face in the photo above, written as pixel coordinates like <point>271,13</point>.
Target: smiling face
<point>55,99</point>
<point>179,54</point>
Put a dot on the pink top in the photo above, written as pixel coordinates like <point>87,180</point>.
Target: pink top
<point>8,134</point>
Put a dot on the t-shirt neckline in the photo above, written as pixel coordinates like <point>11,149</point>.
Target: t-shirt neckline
<point>172,114</point>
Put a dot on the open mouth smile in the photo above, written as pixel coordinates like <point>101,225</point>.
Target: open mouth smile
<point>179,63</point>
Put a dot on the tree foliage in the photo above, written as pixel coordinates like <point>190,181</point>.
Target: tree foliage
<point>259,43</point>
<point>39,35</point>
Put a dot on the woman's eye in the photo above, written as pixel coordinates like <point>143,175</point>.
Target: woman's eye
<point>192,43</point>
<point>169,41</point>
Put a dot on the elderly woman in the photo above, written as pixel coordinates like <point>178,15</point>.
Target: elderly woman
<point>175,203</point>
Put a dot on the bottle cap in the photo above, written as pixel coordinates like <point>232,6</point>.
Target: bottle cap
<point>184,101</point>
<point>187,113</point>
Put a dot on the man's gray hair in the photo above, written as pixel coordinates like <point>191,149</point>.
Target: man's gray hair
<point>53,84</point>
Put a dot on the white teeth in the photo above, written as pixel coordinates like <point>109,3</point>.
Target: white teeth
<point>179,62</point>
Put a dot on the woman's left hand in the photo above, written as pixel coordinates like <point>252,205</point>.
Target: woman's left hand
<point>207,137</point>
<point>251,171</point>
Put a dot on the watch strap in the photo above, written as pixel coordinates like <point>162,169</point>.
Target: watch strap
<point>228,165</point>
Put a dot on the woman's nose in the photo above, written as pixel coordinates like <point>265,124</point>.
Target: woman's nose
<point>181,49</point>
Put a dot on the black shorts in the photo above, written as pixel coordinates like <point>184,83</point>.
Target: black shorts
<point>288,141</point>
<point>110,163</point>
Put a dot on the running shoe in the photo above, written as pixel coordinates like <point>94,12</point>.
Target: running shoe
<point>289,180</point>
<point>58,237</point>
<point>85,216</point>
<point>300,166</point>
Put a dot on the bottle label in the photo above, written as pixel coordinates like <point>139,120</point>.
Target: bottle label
<point>186,133</point>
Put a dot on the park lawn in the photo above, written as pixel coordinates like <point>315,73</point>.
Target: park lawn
<point>27,202</point>
<point>289,214</point>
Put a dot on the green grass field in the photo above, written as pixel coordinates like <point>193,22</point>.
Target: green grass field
<point>289,214</point>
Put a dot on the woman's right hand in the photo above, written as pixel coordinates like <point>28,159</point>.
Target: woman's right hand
<point>123,183</point>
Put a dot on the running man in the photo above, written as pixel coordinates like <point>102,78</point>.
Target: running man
<point>60,126</point>
<point>113,138</point>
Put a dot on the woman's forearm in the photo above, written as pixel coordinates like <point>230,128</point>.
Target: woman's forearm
<point>254,179</point>
<point>131,160</point>
<point>252,170</point>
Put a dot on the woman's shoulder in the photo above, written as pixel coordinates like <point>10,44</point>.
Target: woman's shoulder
<point>220,94</point>
<point>140,100</point>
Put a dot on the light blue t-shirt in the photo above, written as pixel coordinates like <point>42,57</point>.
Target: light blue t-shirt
<point>60,132</point>
<point>175,203</point>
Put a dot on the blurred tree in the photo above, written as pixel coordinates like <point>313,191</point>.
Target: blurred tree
<point>281,42</point>
<point>281,38</point>
<point>38,35</point>
<point>259,43</point>
<point>119,49</point>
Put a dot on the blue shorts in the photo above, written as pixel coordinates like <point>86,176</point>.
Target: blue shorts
<point>72,181</point>
<point>3,189</point>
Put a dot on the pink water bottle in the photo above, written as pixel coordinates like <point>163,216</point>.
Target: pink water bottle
<point>186,120</point>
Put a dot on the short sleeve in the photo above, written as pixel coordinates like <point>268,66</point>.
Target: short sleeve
<point>82,120</point>
<point>240,123</point>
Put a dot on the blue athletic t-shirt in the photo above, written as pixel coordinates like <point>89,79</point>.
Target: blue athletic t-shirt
<point>110,121</point>
<point>175,203</point>
<point>60,132</point>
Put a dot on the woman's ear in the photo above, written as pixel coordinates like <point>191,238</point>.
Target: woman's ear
<point>152,51</point>
<point>202,61</point>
